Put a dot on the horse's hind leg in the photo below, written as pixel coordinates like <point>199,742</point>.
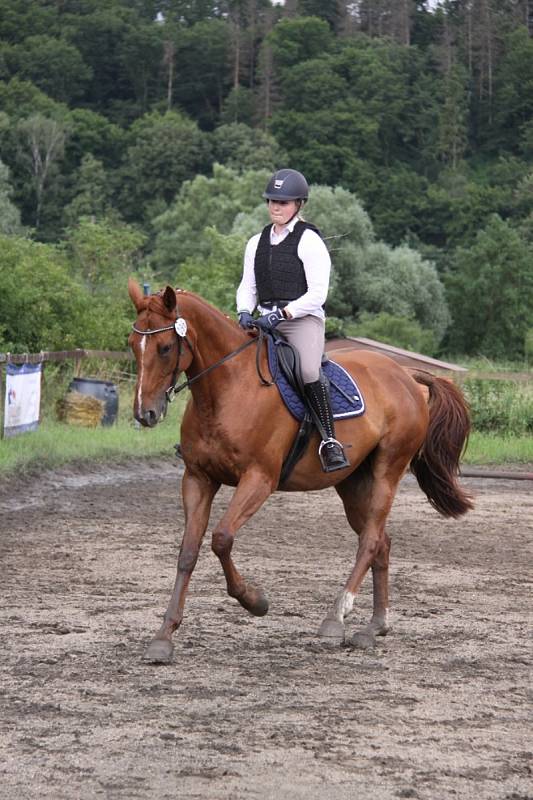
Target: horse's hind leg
<point>367,496</point>
<point>198,494</point>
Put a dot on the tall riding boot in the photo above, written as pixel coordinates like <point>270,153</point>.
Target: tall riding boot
<point>331,452</point>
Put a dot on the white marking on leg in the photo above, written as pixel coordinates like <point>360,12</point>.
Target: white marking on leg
<point>140,377</point>
<point>344,604</point>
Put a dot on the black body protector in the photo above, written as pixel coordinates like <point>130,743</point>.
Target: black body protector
<point>279,272</point>
<point>280,278</point>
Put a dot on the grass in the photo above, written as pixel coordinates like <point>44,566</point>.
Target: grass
<point>56,444</point>
<point>490,448</point>
<point>505,410</point>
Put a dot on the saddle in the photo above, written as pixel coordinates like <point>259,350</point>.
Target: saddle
<point>346,399</point>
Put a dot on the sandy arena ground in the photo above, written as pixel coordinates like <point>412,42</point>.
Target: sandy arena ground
<point>259,708</point>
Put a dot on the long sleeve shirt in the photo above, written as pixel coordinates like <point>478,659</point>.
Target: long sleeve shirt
<point>317,266</point>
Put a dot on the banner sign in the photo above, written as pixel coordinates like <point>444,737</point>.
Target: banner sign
<point>23,398</point>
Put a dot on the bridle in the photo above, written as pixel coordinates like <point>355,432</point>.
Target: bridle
<point>180,329</point>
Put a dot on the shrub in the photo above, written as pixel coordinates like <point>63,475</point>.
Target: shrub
<point>496,406</point>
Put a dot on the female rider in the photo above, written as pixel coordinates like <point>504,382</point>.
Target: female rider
<point>286,277</point>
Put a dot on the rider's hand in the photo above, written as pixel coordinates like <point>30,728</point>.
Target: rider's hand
<point>246,320</point>
<point>269,321</point>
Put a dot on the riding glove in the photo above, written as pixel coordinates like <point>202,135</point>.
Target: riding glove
<point>269,321</point>
<point>246,320</point>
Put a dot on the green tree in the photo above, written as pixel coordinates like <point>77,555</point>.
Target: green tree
<point>20,99</point>
<point>296,40</point>
<point>53,65</point>
<point>42,147</point>
<point>141,56</point>
<point>203,70</point>
<point>490,291</point>
<point>514,91</point>
<point>99,34</point>
<point>93,133</point>
<point>9,213</point>
<point>103,254</point>
<point>400,282</point>
<point>328,10</point>
<point>203,203</point>
<point>216,275</point>
<point>238,107</point>
<point>20,19</point>
<point>41,305</point>
<point>92,192</point>
<point>453,118</point>
<point>397,331</point>
<point>164,151</point>
<point>244,148</point>
<point>188,12</point>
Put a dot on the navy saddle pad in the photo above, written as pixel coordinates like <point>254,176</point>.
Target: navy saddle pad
<point>346,399</point>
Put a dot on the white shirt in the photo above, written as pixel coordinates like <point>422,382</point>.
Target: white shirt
<point>317,266</point>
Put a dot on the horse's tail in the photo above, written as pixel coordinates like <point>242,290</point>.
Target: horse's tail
<point>436,465</point>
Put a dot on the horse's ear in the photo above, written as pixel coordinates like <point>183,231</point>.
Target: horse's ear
<point>136,294</point>
<point>169,298</point>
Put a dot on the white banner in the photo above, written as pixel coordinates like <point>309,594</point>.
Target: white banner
<point>23,398</point>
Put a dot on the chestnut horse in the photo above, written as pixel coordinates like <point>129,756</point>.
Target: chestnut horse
<point>237,431</point>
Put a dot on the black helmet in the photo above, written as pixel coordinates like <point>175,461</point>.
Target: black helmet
<point>287,184</point>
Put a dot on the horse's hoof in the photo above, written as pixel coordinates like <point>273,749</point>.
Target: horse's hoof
<point>254,601</point>
<point>364,640</point>
<point>332,631</point>
<point>159,651</point>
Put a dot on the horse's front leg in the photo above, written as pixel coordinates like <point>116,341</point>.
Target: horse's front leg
<point>252,491</point>
<point>197,493</point>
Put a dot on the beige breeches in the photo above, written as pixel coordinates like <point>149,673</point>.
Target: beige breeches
<point>306,334</point>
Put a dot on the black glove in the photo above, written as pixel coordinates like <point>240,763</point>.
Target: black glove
<point>246,320</point>
<point>269,321</point>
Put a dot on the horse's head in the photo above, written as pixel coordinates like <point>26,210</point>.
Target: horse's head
<point>161,351</point>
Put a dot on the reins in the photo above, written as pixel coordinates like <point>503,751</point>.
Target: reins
<point>174,389</point>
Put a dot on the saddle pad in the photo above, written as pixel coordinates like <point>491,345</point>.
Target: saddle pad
<point>346,399</point>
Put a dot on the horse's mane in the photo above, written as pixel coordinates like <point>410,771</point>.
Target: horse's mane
<point>156,304</point>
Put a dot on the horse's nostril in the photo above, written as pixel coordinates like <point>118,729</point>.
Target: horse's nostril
<point>150,418</point>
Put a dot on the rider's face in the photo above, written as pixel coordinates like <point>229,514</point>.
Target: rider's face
<point>282,211</point>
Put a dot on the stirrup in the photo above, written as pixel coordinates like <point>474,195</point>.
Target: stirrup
<point>331,454</point>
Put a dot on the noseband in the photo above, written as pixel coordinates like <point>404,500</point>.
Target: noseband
<point>180,329</point>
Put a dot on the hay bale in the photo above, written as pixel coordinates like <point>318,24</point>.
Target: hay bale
<point>81,409</point>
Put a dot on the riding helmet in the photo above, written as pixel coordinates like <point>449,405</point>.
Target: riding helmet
<point>287,184</point>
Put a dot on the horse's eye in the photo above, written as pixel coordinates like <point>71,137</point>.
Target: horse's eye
<point>165,349</point>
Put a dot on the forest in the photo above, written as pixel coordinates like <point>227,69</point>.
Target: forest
<point>137,136</point>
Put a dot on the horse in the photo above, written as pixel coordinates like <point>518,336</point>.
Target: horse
<point>236,431</point>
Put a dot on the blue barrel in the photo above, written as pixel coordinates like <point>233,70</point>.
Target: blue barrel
<point>105,391</point>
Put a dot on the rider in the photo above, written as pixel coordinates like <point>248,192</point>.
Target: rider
<point>286,276</point>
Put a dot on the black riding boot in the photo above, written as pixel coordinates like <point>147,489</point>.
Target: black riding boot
<point>331,452</point>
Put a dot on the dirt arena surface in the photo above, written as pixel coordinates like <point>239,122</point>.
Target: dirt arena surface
<point>259,708</point>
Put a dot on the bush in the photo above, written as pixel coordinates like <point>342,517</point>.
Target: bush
<point>500,406</point>
<point>396,331</point>
<point>41,305</point>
